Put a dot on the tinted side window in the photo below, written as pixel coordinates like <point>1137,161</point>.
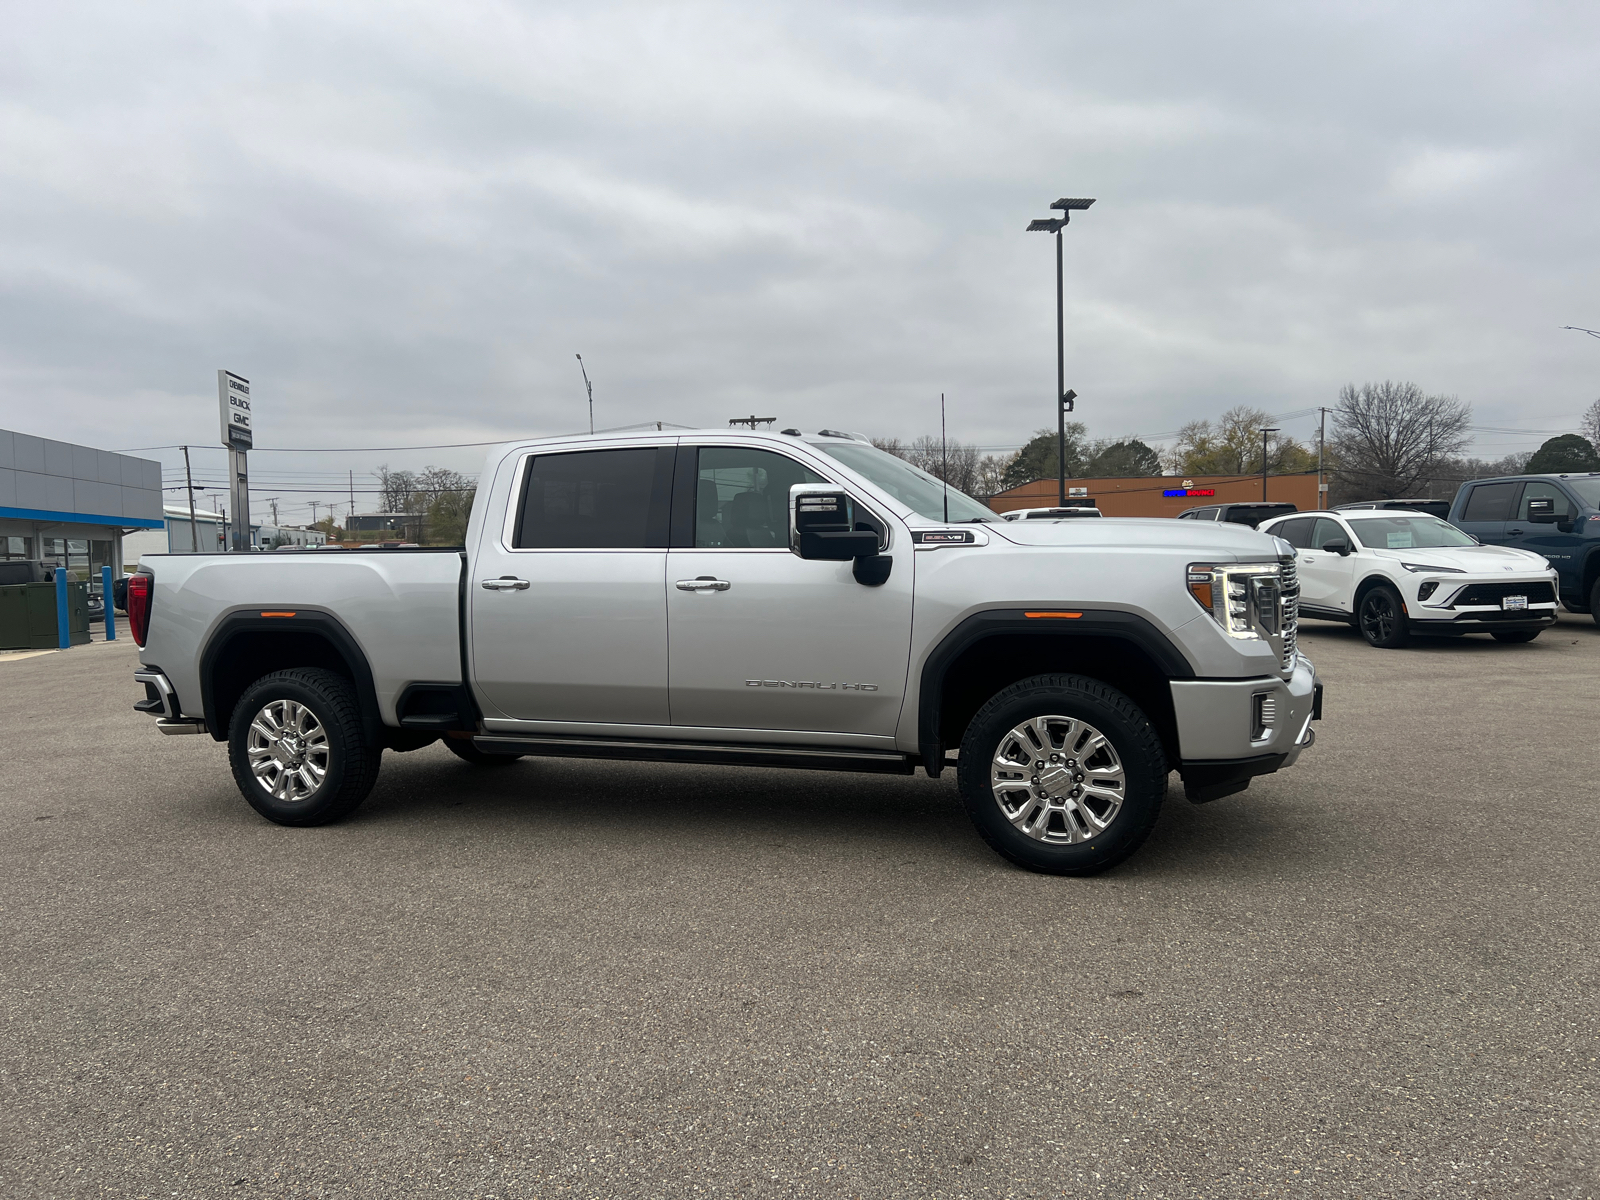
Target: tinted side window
<point>595,500</point>
<point>742,497</point>
<point>1296,532</point>
<point>1490,502</point>
<point>1535,490</point>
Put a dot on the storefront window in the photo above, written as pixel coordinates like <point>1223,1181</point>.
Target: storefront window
<point>16,547</point>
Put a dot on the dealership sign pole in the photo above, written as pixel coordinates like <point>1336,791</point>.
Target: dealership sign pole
<point>233,396</point>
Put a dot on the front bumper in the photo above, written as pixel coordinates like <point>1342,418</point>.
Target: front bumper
<point>1231,730</point>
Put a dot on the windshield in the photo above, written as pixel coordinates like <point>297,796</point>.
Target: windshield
<point>917,490</point>
<point>1588,490</point>
<point>1408,533</point>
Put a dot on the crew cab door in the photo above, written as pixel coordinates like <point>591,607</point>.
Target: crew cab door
<point>1554,535</point>
<point>567,600</point>
<point>1487,510</point>
<point>759,638</point>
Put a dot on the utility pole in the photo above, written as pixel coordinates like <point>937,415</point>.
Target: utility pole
<point>352,496</point>
<point>589,387</point>
<point>188,480</point>
<point>272,501</point>
<point>1264,433</point>
<point>1063,399</point>
<point>314,512</point>
<point>1322,436</point>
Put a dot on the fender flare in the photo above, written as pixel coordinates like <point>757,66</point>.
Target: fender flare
<point>321,624</point>
<point>1128,627</point>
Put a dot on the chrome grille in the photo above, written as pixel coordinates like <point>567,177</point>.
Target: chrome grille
<point>1289,592</point>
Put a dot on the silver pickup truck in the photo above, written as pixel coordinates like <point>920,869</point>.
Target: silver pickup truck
<point>751,599</point>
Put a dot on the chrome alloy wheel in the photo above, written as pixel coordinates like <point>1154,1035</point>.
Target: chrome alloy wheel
<point>1058,780</point>
<point>288,750</point>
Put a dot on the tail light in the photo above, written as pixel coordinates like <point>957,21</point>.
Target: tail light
<point>141,591</point>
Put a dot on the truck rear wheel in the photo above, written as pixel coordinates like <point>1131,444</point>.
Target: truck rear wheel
<point>1062,774</point>
<point>298,749</point>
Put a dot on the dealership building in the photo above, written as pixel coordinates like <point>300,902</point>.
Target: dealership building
<point>1161,495</point>
<point>72,505</point>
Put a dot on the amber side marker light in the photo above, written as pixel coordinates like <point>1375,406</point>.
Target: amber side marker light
<point>1061,615</point>
<point>277,614</point>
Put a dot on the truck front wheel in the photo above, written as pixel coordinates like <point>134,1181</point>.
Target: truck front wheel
<point>1062,774</point>
<point>298,750</point>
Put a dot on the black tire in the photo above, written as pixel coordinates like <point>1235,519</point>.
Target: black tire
<point>1135,742</point>
<point>1381,618</point>
<point>463,749</point>
<point>1594,602</point>
<point>349,763</point>
<point>1515,635</point>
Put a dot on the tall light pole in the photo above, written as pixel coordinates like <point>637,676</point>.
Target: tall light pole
<point>1264,432</point>
<point>1594,333</point>
<point>589,387</point>
<point>1063,400</point>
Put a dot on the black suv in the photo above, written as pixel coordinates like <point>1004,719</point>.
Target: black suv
<point>1251,514</point>
<point>1557,516</point>
<point>1434,508</point>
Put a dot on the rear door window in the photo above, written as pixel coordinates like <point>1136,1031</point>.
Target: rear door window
<point>1296,532</point>
<point>1490,502</point>
<point>596,500</point>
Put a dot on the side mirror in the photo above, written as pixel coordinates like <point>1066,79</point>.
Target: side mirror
<point>822,525</point>
<point>1338,546</point>
<point>1542,510</point>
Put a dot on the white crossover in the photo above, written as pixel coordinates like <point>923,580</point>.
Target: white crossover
<point>1392,574</point>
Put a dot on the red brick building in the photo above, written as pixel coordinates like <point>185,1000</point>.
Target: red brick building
<point>1161,495</point>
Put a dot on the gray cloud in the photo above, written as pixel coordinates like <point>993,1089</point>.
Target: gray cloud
<point>402,221</point>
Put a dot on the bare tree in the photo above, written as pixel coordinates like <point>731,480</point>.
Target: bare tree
<point>433,482</point>
<point>1390,437</point>
<point>1589,424</point>
<point>396,488</point>
<point>890,446</point>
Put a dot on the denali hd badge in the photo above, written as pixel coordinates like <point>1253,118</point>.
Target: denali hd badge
<point>805,683</point>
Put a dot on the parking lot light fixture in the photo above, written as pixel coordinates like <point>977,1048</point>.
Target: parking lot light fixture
<point>1066,207</point>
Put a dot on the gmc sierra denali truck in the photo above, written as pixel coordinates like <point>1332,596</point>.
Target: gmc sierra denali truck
<point>751,598</point>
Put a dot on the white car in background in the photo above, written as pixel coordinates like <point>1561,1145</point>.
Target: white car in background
<point>1392,574</point>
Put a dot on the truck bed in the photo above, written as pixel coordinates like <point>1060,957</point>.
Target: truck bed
<point>401,607</point>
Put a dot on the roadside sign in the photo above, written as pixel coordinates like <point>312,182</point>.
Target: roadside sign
<point>233,397</point>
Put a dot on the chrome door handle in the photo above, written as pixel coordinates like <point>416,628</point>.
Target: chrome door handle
<point>506,583</point>
<point>704,583</point>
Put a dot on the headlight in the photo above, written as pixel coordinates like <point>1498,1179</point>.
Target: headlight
<point>1420,568</point>
<point>1241,597</point>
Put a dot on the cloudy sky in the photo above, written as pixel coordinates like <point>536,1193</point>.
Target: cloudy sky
<point>401,221</point>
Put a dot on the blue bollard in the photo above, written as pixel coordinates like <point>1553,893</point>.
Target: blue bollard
<point>111,612</point>
<point>63,629</point>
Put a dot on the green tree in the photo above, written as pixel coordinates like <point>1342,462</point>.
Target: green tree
<point>446,523</point>
<point>1569,452</point>
<point>1038,459</point>
<point>1121,460</point>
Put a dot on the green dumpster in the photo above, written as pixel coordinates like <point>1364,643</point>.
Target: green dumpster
<point>28,615</point>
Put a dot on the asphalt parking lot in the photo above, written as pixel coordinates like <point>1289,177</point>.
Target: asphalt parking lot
<point>1372,975</point>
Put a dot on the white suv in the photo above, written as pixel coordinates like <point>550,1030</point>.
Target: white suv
<point>1393,573</point>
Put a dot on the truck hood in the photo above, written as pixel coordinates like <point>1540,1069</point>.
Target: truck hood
<point>1477,560</point>
<point>1205,539</point>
